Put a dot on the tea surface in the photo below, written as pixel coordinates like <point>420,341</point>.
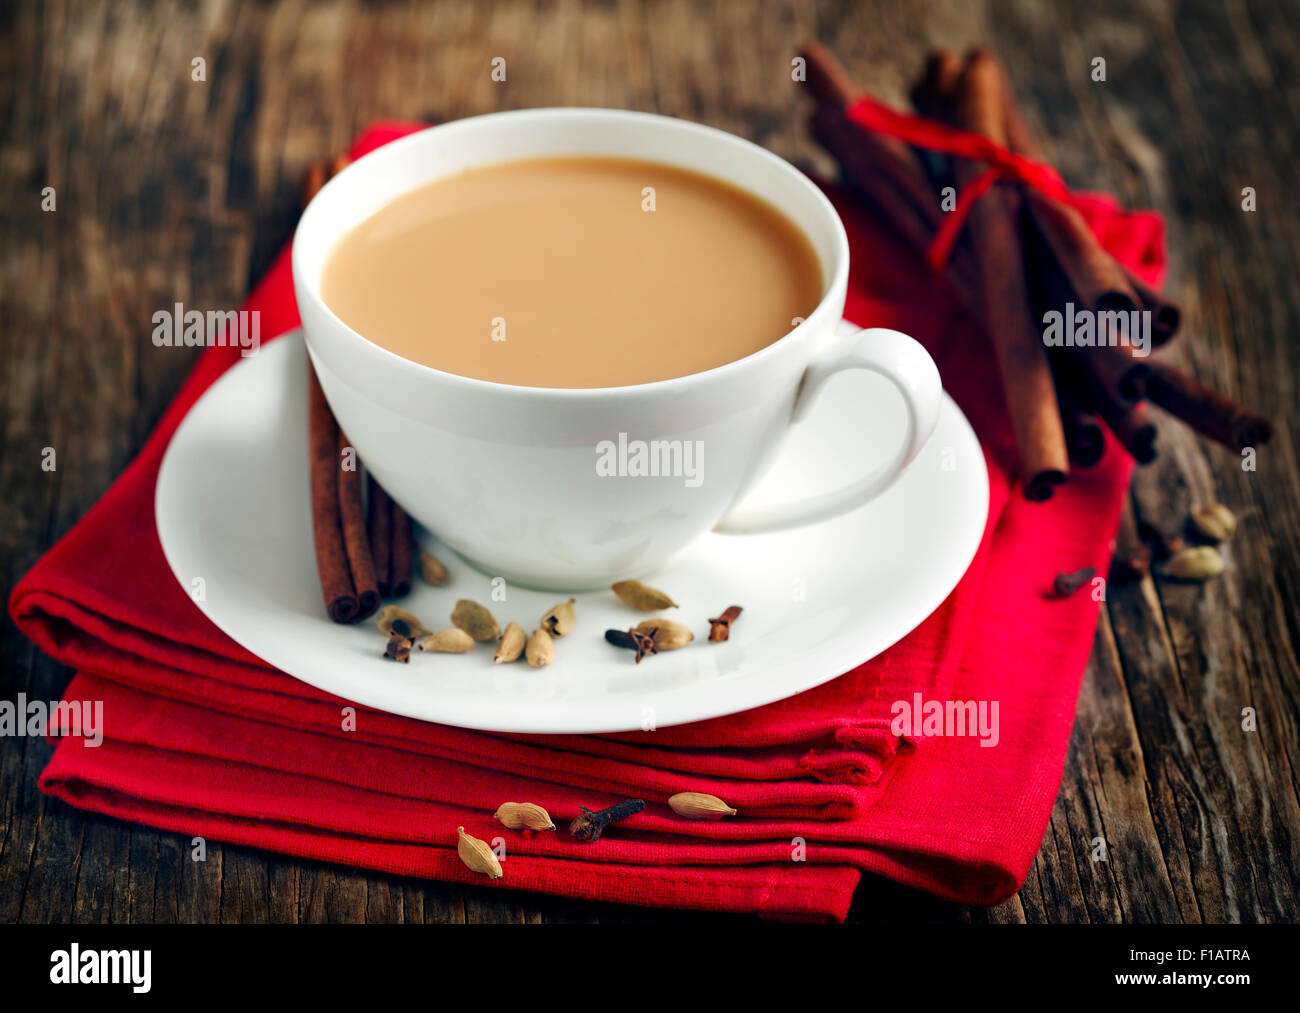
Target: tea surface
<point>573,272</point>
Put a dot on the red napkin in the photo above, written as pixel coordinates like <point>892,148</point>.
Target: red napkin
<point>203,738</point>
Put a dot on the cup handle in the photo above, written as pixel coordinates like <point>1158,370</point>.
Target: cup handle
<point>893,355</point>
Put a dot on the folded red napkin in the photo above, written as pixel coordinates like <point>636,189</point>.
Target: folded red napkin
<point>201,737</point>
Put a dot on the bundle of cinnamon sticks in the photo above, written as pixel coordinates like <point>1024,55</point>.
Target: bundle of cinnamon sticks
<point>364,552</point>
<point>1023,253</point>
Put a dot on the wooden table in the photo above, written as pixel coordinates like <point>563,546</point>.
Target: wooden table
<point>170,189</point>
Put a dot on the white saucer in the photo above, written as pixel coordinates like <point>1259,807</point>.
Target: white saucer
<point>232,508</point>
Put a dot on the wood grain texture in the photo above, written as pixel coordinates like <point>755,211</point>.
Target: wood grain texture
<point>170,189</point>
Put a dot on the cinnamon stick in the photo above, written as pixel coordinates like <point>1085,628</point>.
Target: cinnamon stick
<point>1129,423</point>
<point>1134,431</point>
<point>1119,368</point>
<point>312,181</point>
<point>391,541</point>
<point>1166,317</point>
<point>1205,410</point>
<point>327,531</point>
<point>402,553</point>
<point>1071,233</point>
<point>994,234</point>
<point>988,274</point>
<point>844,139</point>
<point>832,88</point>
<point>1083,436</point>
<point>1099,281</point>
<point>344,560</point>
<point>379,526</point>
<point>356,541</point>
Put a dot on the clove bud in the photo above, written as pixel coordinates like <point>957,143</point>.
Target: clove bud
<point>587,826</point>
<point>634,640</point>
<point>720,627</point>
<point>1162,545</point>
<point>1067,583</point>
<point>399,648</point>
<point>1131,566</point>
<point>667,635</point>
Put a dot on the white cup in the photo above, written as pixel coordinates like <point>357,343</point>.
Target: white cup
<point>517,479</point>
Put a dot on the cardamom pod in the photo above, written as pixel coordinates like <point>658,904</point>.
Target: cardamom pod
<point>475,620</point>
<point>695,805</point>
<point>1200,562</point>
<point>559,620</point>
<point>1214,521</point>
<point>668,635</point>
<point>432,570</point>
<point>477,855</point>
<point>643,597</point>
<point>450,641</point>
<point>524,816</point>
<point>512,644</point>
<point>393,618</point>
<point>540,651</point>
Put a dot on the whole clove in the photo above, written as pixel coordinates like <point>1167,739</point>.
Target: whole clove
<point>1067,583</point>
<point>720,628</point>
<point>668,635</point>
<point>587,826</point>
<point>399,648</point>
<point>641,641</point>
<point>1163,546</point>
<point>1131,566</point>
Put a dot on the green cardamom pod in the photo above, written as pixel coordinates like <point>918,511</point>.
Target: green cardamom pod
<point>475,620</point>
<point>559,620</point>
<point>641,596</point>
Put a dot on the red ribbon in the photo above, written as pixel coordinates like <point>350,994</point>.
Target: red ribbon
<point>1003,164</point>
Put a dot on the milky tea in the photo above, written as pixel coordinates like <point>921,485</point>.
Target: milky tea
<point>574,272</point>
